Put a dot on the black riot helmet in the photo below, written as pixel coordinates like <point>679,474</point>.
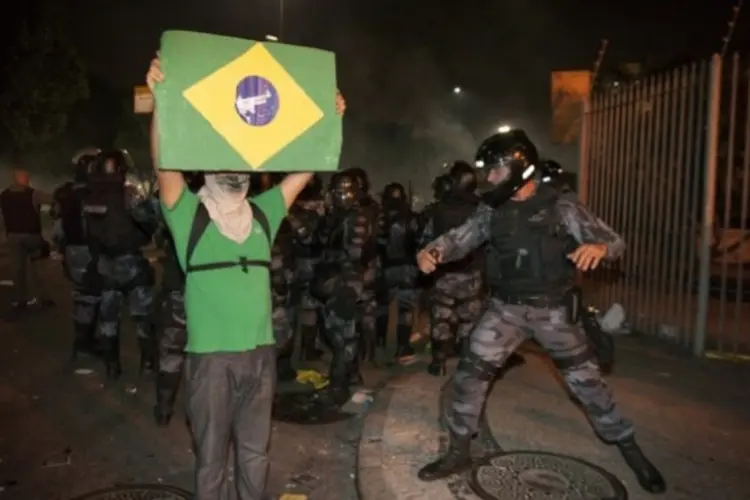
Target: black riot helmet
<point>112,165</point>
<point>394,193</point>
<point>345,190</point>
<point>463,177</point>
<point>441,186</point>
<point>362,178</point>
<point>84,166</point>
<point>516,156</point>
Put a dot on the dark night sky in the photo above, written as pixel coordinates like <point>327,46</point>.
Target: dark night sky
<point>397,58</point>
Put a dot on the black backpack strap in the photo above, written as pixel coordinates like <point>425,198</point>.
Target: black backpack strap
<point>201,220</point>
<point>260,216</point>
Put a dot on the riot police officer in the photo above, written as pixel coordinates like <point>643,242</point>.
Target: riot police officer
<point>79,263</point>
<point>530,271</point>
<point>282,279</point>
<point>347,237</point>
<point>397,247</point>
<point>370,208</point>
<point>119,224</point>
<point>306,217</point>
<point>457,293</point>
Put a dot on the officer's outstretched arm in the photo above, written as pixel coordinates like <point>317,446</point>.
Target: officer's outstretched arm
<point>587,228</point>
<point>460,241</point>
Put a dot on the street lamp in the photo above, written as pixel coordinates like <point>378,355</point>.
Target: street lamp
<point>457,90</point>
<point>503,129</point>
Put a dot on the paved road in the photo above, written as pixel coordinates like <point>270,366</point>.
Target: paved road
<point>692,418</point>
<point>49,414</point>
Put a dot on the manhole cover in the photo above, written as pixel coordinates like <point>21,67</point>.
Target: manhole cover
<point>138,492</point>
<point>307,408</point>
<point>537,475</point>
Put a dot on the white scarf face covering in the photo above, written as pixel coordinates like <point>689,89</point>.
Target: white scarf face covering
<point>225,197</point>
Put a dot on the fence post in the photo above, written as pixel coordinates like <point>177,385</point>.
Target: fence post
<point>583,156</point>
<point>709,200</point>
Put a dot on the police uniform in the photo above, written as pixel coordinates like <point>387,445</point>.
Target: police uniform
<point>119,225</point>
<point>79,263</point>
<point>348,237</point>
<point>306,217</point>
<point>530,279</point>
<point>368,207</point>
<point>282,277</point>
<point>457,293</point>
<point>397,246</point>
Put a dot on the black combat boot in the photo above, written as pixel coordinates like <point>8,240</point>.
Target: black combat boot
<point>437,367</point>
<point>456,460</point>
<point>85,343</point>
<point>647,474</point>
<point>355,375</point>
<point>404,350</point>
<point>310,351</point>
<point>284,370</point>
<point>337,392</point>
<point>111,356</point>
<point>148,355</point>
<point>381,329</point>
<point>166,392</point>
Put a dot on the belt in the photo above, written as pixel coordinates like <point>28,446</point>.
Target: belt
<point>541,301</point>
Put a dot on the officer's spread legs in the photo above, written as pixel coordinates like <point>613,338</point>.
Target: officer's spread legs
<point>109,331</point>
<point>141,302</point>
<point>566,344</point>
<point>499,332</point>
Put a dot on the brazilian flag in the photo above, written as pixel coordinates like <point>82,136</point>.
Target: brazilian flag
<point>239,105</point>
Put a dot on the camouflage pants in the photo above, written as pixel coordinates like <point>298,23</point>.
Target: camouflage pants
<point>172,336</point>
<point>341,313</point>
<point>308,309</point>
<point>81,270</point>
<point>456,304</point>
<point>131,278</point>
<point>499,332</point>
<point>171,339</point>
<point>283,320</point>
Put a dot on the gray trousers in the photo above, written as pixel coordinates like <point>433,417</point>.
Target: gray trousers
<point>500,331</point>
<point>229,400</point>
<point>22,247</point>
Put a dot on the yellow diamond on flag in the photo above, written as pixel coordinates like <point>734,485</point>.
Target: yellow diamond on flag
<point>255,105</point>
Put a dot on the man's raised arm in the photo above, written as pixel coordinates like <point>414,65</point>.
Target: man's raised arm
<point>171,183</point>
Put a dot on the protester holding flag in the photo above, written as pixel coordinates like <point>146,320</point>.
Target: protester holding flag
<point>230,372</point>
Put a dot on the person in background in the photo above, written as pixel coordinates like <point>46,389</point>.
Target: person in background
<point>79,262</point>
<point>21,209</point>
<point>223,242</point>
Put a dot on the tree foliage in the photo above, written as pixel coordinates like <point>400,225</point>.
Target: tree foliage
<point>45,78</point>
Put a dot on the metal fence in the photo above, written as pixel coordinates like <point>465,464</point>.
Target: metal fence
<point>666,161</point>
